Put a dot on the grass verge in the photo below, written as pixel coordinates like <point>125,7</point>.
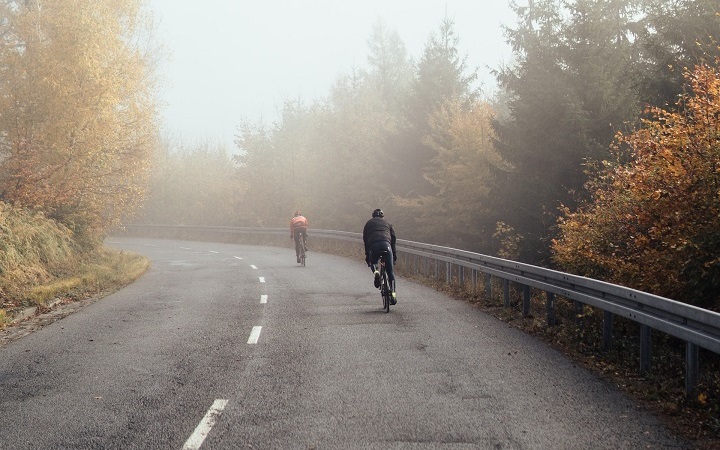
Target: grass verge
<point>99,274</point>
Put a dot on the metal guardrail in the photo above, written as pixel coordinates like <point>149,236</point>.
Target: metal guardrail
<point>697,327</point>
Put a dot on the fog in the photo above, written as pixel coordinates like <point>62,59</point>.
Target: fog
<point>231,60</point>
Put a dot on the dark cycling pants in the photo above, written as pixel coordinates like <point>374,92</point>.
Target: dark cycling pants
<point>298,232</point>
<point>374,252</point>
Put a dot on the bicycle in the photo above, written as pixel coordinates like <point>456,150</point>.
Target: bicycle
<point>300,249</point>
<point>386,287</point>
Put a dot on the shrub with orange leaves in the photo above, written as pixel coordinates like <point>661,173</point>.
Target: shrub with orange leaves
<point>653,221</point>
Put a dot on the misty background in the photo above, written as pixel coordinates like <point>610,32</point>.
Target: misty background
<point>229,60</point>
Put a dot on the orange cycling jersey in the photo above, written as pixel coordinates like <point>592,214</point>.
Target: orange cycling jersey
<point>297,222</point>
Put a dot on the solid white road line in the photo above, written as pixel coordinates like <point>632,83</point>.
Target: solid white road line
<point>253,266</point>
<point>262,279</point>
<point>201,431</point>
<point>263,299</point>
<point>254,335</point>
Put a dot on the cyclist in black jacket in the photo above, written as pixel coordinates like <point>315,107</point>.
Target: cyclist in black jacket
<point>379,236</point>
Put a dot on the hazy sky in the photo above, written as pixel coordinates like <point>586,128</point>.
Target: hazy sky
<point>231,60</point>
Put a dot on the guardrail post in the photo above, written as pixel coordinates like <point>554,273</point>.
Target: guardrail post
<point>474,281</point>
<point>692,369</point>
<point>488,287</point>
<point>607,329</point>
<point>506,292</point>
<point>550,308</point>
<point>578,312</point>
<point>461,276</point>
<point>645,349</point>
<point>526,300</point>
<point>448,272</point>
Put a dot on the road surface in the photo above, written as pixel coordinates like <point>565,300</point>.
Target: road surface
<point>224,346</point>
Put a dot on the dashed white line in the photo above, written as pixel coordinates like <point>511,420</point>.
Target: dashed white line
<point>213,251</point>
<point>185,248</point>
<point>253,266</point>
<point>201,431</point>
<point>237,257</point>
<point>254,335</point>
<point>263,299</point>
<point>262,279</point>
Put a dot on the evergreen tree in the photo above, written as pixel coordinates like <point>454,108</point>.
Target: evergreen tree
<point>674,35</point>
<point>569,89</point>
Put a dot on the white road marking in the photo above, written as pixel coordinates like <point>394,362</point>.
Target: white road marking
<point>263,299</point>
<point>213,251</point>
<point>185,248</point>
<point>253,266</point>
<point>201,431</point>
<point>262,279</point>
<point>254,335</point>
<point>237,257</point>
<point>150,245</point>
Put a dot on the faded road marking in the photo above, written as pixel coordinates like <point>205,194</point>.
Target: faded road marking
<point>254,335</point>
<point>196,439</point>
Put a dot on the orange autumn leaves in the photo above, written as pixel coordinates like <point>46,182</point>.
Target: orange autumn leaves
<point>653,221</point>
<point>78,110</point>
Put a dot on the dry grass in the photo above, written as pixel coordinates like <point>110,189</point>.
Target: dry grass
<point>40,263</point>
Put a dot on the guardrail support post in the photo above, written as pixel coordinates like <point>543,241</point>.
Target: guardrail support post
<point>488,287</point>
<point>607,330</point>
<point>474,281</point>
<point>526,300</point>
<point>645,349</point>
<point>550,308</point>
<point>461,276</point>
<point>448,272</point>
<point>506,292</point>
<point>692,369</point>
<point>578,312</point>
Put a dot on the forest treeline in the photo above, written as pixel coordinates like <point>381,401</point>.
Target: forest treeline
<point>598,154</point>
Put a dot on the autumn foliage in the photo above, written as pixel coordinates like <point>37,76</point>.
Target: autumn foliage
<point>653,222</point>
<point>78,110</point>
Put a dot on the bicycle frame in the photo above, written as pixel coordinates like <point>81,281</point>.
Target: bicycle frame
<point>384,283</point>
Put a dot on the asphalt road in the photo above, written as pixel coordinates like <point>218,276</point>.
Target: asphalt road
<point>227,347</point>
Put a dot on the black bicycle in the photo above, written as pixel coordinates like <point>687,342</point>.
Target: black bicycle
<point>300,249</point>
<point>386,287</point>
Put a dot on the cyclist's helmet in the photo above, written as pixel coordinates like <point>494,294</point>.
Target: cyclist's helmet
<point>297,213</point>
<point>378,213</point>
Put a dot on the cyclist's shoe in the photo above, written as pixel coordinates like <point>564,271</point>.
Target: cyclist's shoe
<point>393,298</point>
<point>377,279</point>
<point>298,259</point>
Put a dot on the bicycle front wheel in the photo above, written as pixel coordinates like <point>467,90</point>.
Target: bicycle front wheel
<point>385,290</point>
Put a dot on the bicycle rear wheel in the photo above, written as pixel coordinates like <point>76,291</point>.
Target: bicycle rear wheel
<point>385,290</point>
<point>302,256</point>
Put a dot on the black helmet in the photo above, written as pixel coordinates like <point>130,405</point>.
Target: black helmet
<point>378,213</point>
<point>297,213</point>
